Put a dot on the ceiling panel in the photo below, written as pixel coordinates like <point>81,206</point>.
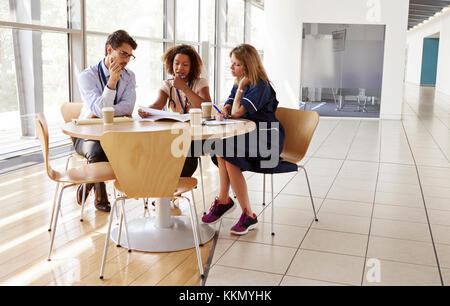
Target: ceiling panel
<point>420,10</point>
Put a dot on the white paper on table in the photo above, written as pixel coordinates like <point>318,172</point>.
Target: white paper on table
<point>224,122</point>
<point>163,115</point>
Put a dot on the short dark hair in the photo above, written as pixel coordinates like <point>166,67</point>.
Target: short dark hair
<point>196,61</point>
<point>117,38</point>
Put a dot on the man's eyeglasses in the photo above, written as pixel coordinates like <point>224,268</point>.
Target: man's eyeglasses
<point>124,55</point>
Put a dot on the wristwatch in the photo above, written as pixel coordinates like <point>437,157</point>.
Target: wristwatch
<point>241,90</point>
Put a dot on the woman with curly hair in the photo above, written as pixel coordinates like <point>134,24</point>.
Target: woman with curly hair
<point>184,90</point>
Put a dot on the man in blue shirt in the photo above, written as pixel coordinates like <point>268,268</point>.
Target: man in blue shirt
<point>107,84</point>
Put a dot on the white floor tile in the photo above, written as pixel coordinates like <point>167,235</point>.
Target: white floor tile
<point>441,234</point>
<point>400,213</point>
<point>402,274</point>
<point>446,276</point>
<point>439,217</point>
<point>287,216</point>
<point>222,246</point>
<point>285,235</point>
<point>443,252</point>
<point>401,230</point>
<point>335,242</point>
<point>329,267</point>
<point>400,199</point>
<point>228,276</point>
<point>297,281</point>
<point>342,223</point>
<point>341,207</point>
<point>259,257</point>
<point>401,250</point>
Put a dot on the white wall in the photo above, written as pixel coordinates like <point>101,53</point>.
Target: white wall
<point>441,25</point>
<point>282,52</point>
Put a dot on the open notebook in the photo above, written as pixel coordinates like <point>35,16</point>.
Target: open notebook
<point>163,115</point>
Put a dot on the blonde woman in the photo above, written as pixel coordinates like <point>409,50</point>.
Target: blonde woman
<point>184,90</point>
<point>252,98</point>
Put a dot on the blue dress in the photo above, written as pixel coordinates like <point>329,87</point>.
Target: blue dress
<point>258,151</point>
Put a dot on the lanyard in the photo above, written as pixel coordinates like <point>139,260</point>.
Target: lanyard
<point>187,100</point>
<point>102,78</point>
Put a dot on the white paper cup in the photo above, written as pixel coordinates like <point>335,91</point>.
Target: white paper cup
<point>206,110</point>
<point>108,115</point>
<point>196,116</point>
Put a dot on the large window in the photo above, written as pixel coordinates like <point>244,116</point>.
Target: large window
<point>208,21</point>
<point>187,13</point>
<point>9,114</point>
<point>37,12</point>
<point>34,62</point>
<point>44,46</point>
<point>144,20</point>
<point>235,23</point>
<point>138,17</point>
<point>256,23</point>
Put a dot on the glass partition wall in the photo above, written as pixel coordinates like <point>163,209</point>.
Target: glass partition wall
<point>342,69</point>
<point>45,44</point>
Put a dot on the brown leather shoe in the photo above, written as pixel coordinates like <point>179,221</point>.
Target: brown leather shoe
<point>80,192</point>
<point>101,198</point>
<point>103,206</point>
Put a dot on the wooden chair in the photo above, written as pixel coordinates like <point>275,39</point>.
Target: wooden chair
<point>69,111</point>
<point>299,127</point>
<point>145,167</point>
<point>92,173</point>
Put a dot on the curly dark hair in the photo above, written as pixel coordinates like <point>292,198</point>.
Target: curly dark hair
<point>196,61</point>
<point>117,38</point>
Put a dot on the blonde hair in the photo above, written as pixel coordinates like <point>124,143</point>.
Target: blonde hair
<point>253,66</point>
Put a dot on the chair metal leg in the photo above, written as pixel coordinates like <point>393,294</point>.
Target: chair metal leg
<point>108,235</point>
<point>196,235</point>
<point>273,203</point>
<point>310,193</point>
<point>203,186</point>
<point>58,207</point>
<point>264,190</point>
<point>83,202</point>
<point>197,224</point>
<point>119,231</point>
<point>145,203</point>
<point>54,205</point>
<point>126,227</point>
<point>67,162</point>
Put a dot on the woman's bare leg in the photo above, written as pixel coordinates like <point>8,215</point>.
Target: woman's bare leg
<point>239,185</point>
<point>224,190</point>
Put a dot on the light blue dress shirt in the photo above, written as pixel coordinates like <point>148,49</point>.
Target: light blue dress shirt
<point>94,98</point>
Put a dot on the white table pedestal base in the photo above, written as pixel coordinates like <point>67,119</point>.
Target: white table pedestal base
<point>146,236</point>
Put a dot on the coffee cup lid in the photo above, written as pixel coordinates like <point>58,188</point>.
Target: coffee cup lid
<point>195,110</point>
<point>107,109</point>
<point>207,103</point>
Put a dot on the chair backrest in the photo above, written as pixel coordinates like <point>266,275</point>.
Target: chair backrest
<point>42,133</point>
<point>71,110</point>
<point>147,164</point>
<point>299,129</point>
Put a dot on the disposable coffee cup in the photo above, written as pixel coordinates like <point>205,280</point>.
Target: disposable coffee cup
<point>108,115</point>
<point>206,110</point>
<point>196,116</point>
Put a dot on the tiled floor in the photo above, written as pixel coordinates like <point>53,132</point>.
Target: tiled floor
<point>382,193</point>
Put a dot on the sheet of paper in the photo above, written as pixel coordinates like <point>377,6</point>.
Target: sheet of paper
<point>161,115</point>
<point>224,122</point>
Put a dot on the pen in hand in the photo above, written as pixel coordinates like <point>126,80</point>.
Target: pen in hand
<point>218,110</point>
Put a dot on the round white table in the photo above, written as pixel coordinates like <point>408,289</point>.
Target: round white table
<point>161,232</point>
